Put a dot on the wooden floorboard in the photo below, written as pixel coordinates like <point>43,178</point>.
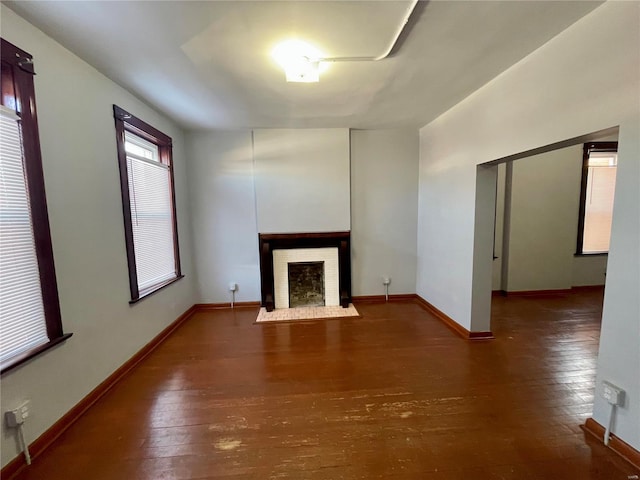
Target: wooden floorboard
<point>392,395</point>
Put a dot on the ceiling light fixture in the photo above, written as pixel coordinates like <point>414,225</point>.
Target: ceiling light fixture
<point>299,60</point>
<point>303,62</point>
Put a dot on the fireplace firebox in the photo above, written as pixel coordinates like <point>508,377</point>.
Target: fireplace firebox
<point>306,284</point>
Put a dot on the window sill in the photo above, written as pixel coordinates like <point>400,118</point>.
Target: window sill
<point>155,289</point>
<point>595,254</point>
<point>26,356</point>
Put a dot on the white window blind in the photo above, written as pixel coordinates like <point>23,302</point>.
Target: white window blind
<point>22,320</point>
<point>151,213</point>
<point>601,182</point>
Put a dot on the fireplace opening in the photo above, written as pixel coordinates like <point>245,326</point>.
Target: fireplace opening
<point>306,284</point>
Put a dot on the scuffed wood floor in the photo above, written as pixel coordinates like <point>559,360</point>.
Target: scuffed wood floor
<point>392,395</point>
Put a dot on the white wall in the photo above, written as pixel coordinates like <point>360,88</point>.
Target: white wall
<point>552,95</point>
<point>384,165</point>
<point>384,197</point>
<point>589,270</point>
<point>543,225</point>
<point>80,163</point>
<point>223,210</point>
<point>545,199</point>
<point>302,180</point>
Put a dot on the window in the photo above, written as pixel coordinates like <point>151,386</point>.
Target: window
<point>599,167</point>
<point>146,180</point>
<point>30,320</point>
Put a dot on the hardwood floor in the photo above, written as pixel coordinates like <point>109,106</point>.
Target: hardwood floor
<point>392,395</point>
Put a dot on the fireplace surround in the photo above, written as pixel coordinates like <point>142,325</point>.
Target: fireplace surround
<point>268,242</point>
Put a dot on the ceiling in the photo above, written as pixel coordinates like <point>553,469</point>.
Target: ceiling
<point>208,64</point>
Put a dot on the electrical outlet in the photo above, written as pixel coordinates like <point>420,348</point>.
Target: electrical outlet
<point>12,419</point>
<point>612,394</point>
<point>386,280</point>
<point>18,415</point>
<point>233,286</point>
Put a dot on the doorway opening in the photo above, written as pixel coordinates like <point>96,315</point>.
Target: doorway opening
<point>528,225</point>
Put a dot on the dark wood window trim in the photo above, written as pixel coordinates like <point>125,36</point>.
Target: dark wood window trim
<point>18,93</point>
<point>126,122</point>
<point>595,254</point>
<point>158,287</point>
<point>588,149</point>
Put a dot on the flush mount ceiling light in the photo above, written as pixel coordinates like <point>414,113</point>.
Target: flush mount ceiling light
<point>299,60</point>
<point>303,62</point>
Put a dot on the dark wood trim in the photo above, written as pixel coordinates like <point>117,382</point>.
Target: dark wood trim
<point>619,446</point>
<point>156,289</point>
<point>601,146</point>
<point>448,321</point>
<point>125,121</point>
<point>218,306</point>
<point>481,335</point>
<point>583,199</point>
<point>548,293</point>
<point>537,293</point>
<point>52,433</point>
<point>8,95</point>
<point>141,128</point>
<point>268,242</point>
<point>451,323</point>
<point>344,271</point>
<point>18,72</point>
<point>29,355</point>
<point>498,293</point>
<point>406,297</point>
<point>126,209</point>
<point>174,212</point>
<point>587,149</point>
<point>290,240</point>
<point>588,288</point>
<point>402,297</point>
<point>267,287</point>
<point>16,57</point>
